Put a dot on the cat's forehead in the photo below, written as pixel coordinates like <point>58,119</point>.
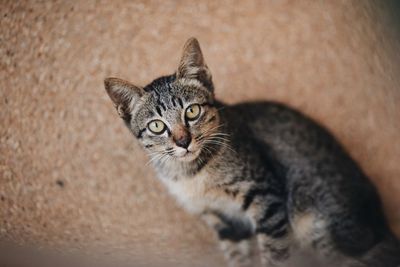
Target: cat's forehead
<point>162,84</point>
<point>168,90</point>
<point>167,87</point>
<point>166,94</point>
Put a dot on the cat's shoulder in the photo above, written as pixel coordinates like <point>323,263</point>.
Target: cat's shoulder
<point>265,112</point>
<point>257,108</point>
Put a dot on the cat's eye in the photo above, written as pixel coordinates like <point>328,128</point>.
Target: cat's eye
<point>156,126</point>
<point>193,112</point>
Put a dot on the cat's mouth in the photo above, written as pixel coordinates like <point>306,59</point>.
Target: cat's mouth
<point>186,154</point>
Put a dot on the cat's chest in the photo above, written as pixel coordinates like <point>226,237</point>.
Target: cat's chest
<point>197,194</point>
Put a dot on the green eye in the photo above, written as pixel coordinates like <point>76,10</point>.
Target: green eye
<point>192,112</point>
<point>156,126</point>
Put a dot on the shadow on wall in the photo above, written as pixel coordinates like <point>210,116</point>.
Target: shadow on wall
<point>72,177</point>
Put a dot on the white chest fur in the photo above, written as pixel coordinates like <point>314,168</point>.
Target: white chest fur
<point>197,194</point>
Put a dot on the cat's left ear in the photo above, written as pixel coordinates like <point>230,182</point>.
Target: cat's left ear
<point>124,95</point>
<point>192,64</point>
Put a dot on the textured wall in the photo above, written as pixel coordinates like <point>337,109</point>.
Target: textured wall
<point>71,175</point>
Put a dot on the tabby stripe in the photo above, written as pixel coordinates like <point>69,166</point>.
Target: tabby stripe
<point>141,133</point>
<point>180,102</point>
<point>211,119</point>
<point>187,123</point>
<point>278,254</point>
<point>163,106</point>
<point>253,193</point>
<point>232,192</point>
<point>169,86</point>
<point>272,209</point>
<point>159,111</point>
<point>279,233</point>
<point>276,230</point>
<point>230,182</point>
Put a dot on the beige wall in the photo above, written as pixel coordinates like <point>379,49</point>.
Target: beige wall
<point>337,61</point>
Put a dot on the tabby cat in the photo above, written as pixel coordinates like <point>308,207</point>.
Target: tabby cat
<point>255,170</point>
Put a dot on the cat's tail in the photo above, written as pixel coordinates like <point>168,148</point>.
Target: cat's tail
<point>384,254</point>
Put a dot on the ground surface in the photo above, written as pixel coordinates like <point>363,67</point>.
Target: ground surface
<point>72,177</point>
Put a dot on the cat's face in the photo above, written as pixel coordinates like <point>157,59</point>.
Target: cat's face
<point>173,117</point>
<point>175,120</point>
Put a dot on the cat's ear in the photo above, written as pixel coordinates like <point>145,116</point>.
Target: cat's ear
<point>192,64</point>
<point>124,95</point>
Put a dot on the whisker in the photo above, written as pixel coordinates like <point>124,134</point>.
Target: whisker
<point>220,138</point>
<point>220,134</point>
<point>158,156</point>
<point>153,159</point>
<point>222,143</point>
<point>204,134</point>
<point>207,149</point>
<point>213,128</point>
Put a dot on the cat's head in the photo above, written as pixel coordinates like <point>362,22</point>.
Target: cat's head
<point>174,116</point>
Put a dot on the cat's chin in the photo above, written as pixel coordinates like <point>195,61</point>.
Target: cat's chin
<point>188,156</point>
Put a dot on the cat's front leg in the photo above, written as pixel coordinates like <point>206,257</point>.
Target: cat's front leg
<point>273,251</point>
<point>234,239</point>
<point>272,230</point>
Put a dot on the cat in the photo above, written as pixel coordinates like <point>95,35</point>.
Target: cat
<point>256,170</point>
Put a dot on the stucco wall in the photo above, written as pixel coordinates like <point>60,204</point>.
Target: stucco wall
<point>71,175</point>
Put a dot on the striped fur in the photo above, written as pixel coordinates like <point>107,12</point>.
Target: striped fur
<point>256,171</point>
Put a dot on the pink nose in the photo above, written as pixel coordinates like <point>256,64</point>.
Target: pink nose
<point>181,136</point>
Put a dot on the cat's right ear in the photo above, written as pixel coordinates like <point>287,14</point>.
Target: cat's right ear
<point>124,95</point>
<point>192,64</point>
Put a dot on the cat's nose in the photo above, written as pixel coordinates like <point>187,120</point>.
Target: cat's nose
<point>182,137</point>
<point>184,142</point>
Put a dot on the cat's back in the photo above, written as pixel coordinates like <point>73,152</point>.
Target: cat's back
<point>302,147</point>
<point>289,134</point>
<point>319,174</point>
